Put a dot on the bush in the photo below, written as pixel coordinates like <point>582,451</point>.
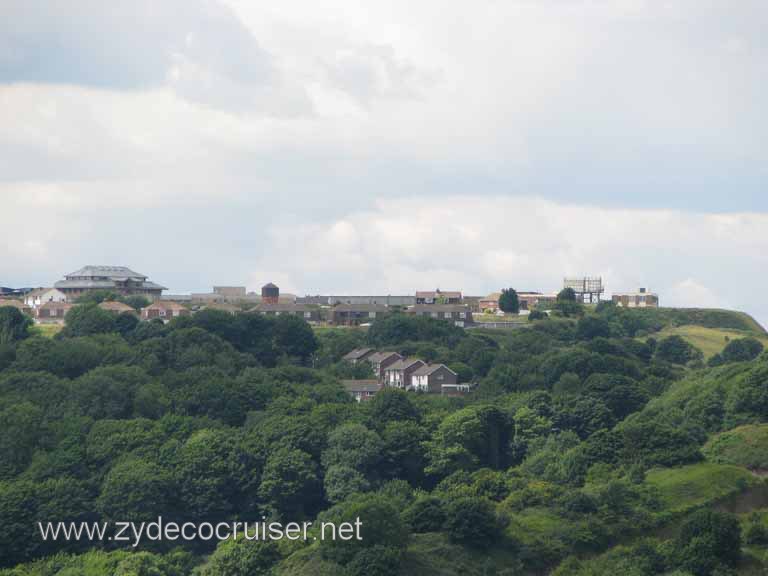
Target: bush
<point>472,522</point>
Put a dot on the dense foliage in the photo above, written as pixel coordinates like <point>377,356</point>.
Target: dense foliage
<point>581,449</point>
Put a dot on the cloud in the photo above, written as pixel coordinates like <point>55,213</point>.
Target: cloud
<point>529,243</point>
<point>198,48</point>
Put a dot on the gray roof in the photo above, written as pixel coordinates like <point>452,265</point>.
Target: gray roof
<point>379,356</point>
<point>114,272</point>
<point>357,353</point>
<point>361,385</point>
<point>430,368</point>
<point>440,308</point>
<point>287,307</point>
<point>106,284</point>
<point>360,308</point>
<point>403,364</point>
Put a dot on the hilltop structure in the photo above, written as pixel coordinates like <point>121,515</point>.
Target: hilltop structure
<point>118,279</point>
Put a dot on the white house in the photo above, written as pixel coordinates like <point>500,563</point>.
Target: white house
<point>41,296</point>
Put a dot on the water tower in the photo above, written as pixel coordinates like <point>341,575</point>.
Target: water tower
<point>270,294</point>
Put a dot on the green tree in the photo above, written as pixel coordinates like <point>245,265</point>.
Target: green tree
<point>88,319</point>
<point>14,325</point>
<point>509,302</point>
<point>240,557</point>
<point>425,514</point>
<point>472,522</point>
<point>591,327</point>
<point>708,539</point>
<point>341,482</point>
<point>676,350</point>
<point>354,446</point>
<point>290,484</point>
<point>135,490</point>
<point>391,404</point>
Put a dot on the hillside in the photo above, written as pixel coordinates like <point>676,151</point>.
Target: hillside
<point>590,444</point>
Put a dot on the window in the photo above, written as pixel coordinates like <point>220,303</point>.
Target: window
<point>371,314</point>
<point>307,314</point>
<point>434,314</point>
<point>462,314</point>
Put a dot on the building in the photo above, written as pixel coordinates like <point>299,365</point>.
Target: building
<point>358,355</point>
<point>40,296</point>
<point>230,292</point>
<point>588,289</point>
<point>438,297</point>
<point>381,360</point>
<point>431,378</point>
<point>361,390</point>
<point>270,294</point>
<point>458,314</point>
<point>531,300</point>
<point>490,303</point>
<point>117,279</point>
<point>223,307</point>
<point>640,299</point>
<point>403,301</point>
<point>52,312</point>
<point>308,313</point>
<point>398,374</point>
<point>356,314</point>
<point>164,310</point>
<point>116,307</point>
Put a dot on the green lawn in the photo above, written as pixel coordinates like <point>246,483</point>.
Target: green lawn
<point>743,446</point>
<point>47,330</point>
<point>691,486</point>
<point>709,340</point>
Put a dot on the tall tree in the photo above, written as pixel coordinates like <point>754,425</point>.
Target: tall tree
<point>508,301</point>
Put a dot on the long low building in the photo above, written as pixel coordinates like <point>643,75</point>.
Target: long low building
<point>458,314</point>
<point>640,299</point>
<point>118,279</point>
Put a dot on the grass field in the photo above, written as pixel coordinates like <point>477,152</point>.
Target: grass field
<point>47,330</point>
<point>743,446</point>
<point>691,486</point>
<point>709,340</point>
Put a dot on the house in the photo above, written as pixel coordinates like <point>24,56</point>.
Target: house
<point>116,307</point>
<point>431,377</point>
<point>52,312</point>
<point>438,297</point>
<point>531,300</point>
<point>356,314</point>
<point>223,306</point>
<point>18,304</point>
<point>117,279</point>
<point>308,313</point>
<point>164,310</point>
<point>490,303</point>
<point>388,300</point>
<point>40,296</point>
<point>381,360</point>
<point>640,299</point>
<point>358,355</point>
<point>398,374</point>
<point>460,315</point>
<point>361,390</point>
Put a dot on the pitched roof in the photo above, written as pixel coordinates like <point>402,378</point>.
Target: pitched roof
<point>360,308</point>
<point>404,363</point>
<point>283,307</point>
<point>357,353</point>
<point>52,304</point>
<point>379,356</point>
<point>114,306</point>
<point>428,369</point>
<point>361,385</point>
<point>116,272</point>
<point>438,293</point>
<point>165,305</point>
<point>440,308</point>
<point>38,292</point>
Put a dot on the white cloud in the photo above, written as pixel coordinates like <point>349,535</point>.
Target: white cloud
<point>529,243</point>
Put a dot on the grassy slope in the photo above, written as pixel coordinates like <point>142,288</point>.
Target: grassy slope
<point>47,330</point>
<point>709,340</point>
<point>695,485</point>
<point>743,446</point>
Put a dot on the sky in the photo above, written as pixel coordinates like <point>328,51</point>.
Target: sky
<point>356,147</point>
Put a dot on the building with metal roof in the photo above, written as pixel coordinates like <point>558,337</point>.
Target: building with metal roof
<point>118,279</point>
